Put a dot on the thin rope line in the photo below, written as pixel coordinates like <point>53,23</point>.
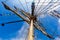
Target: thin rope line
<point>27,6</point>
<point>37,5</point>
<point>46,9</point>
<point>45,6</point>
<point>40,7</point>
<point>21,4</point>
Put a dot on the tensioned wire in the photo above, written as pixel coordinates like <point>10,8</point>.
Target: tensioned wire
<point>47,7</point>
<point>21,4</point>
<point>36,6</point>
<point>40,7</point>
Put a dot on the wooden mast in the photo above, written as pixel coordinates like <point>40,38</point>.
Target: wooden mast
<point>31,28</point>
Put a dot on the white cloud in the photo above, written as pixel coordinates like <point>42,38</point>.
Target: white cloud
<point>0,38</point>
<point>58,24</point>
<point>58,28</point>
<point>57,38</point>
<point>58,20</point>
<point>22,33</point>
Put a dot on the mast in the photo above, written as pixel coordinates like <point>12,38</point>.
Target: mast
<point>31,28</point>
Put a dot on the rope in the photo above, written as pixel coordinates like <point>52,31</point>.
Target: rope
<point>21,4</point>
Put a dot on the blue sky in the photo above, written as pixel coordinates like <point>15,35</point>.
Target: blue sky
<point>19,31</point>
